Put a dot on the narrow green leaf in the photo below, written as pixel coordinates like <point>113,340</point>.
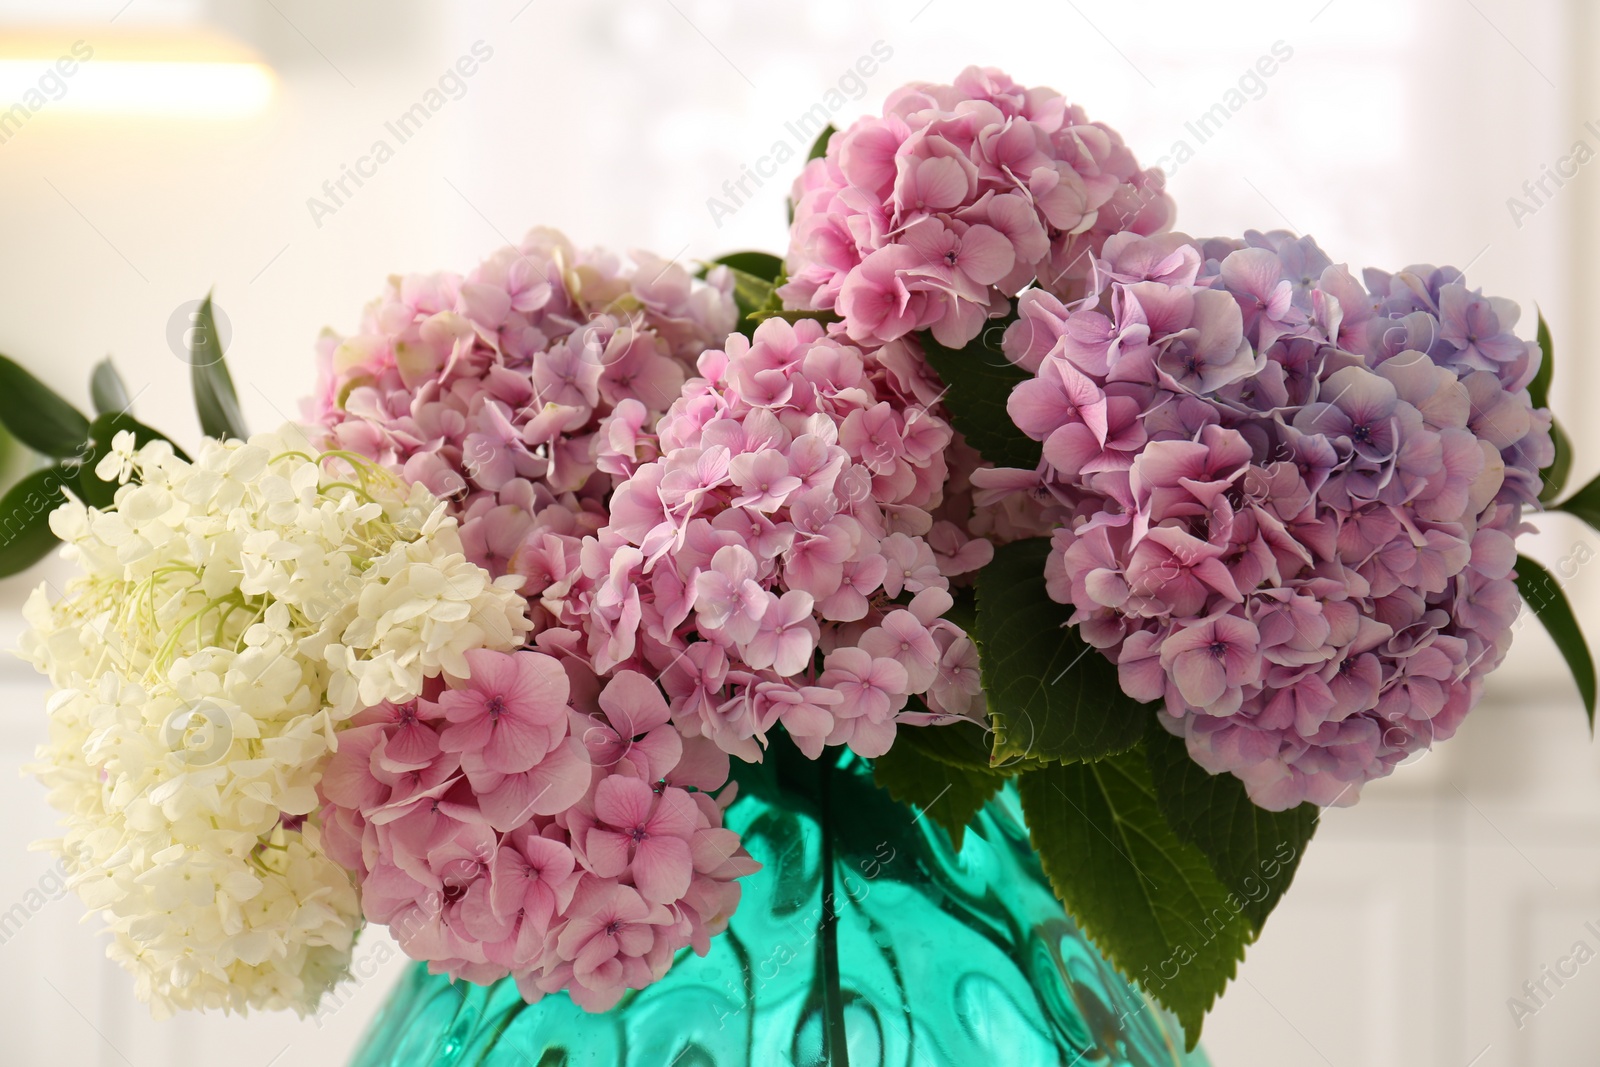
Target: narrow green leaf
<point>214,397</point>
<point>36,415</point>
<point>25,536</point>
<point>1539,388</point>
<point>763,265</point>
<point>107,390</point>
<point>1585,504</point>
<point>949,795</point>
<point>792,316</point>
<point>978,381</point>
<point>1544,597</point>
<point>1051,696</point>
<point>1553,479</point>
<point>1252,851</point>
<point>94,491</point>
<point>819,147</point>
<point>1149,901</point>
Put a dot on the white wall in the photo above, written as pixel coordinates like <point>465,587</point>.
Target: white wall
<point>1395,133</point>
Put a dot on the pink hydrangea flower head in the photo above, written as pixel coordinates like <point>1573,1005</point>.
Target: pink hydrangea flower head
<point>533,821</point>
<point>520,391</point>
<point>779,536</point>
<point>932,215</point>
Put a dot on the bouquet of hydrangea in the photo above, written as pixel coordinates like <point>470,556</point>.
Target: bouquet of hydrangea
<point>992,475</point>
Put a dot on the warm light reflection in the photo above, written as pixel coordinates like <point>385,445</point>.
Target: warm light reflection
<point>81,69</point>
<point>178,88</point>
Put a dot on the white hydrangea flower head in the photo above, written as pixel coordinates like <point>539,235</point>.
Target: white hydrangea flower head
<point>233,612</point>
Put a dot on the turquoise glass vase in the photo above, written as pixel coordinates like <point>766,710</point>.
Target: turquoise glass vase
<point>866,939</point>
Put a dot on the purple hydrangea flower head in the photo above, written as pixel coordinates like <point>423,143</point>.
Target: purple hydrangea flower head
<point>1284,501</point>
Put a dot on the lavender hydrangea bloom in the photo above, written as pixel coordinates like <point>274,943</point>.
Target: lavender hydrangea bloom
<point>1291,521</point>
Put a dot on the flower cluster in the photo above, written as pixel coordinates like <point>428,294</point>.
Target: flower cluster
<point>959,196</point>
<point>1289,499</point>
<point>496,389</point>
<point>469,656</point>
<point>525,821</point>
<point>232,613</point>
<point>771,563</point>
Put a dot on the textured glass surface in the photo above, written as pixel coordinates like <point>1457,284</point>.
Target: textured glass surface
<point>866,939</point>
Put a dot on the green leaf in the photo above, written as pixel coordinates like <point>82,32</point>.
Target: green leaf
<point>106,389</point>
<point>1544,596</point>
<point>1539,388</point>
<point>37,416</point>
<point>25,536</point>
<point>962,745</point>
<point>978,381</point>
<point>214,397</point>
<point>763,265</point>
<point>755,277</point>
<point>790,315</point>
<point>1051,696</point>
<point>949,795</point>
<point>1149,901</point>
<point>1553,479</point>
<point>96,492</point>
<point>819,147</point>
<point>963,609</point>
<point>750,295</point>
<point>1252,851</point>
<point>1585,504</point>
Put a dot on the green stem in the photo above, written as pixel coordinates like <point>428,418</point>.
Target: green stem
<point>835,1040</point>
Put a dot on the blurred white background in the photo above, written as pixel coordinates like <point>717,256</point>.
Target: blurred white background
<point>1395,132</point>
